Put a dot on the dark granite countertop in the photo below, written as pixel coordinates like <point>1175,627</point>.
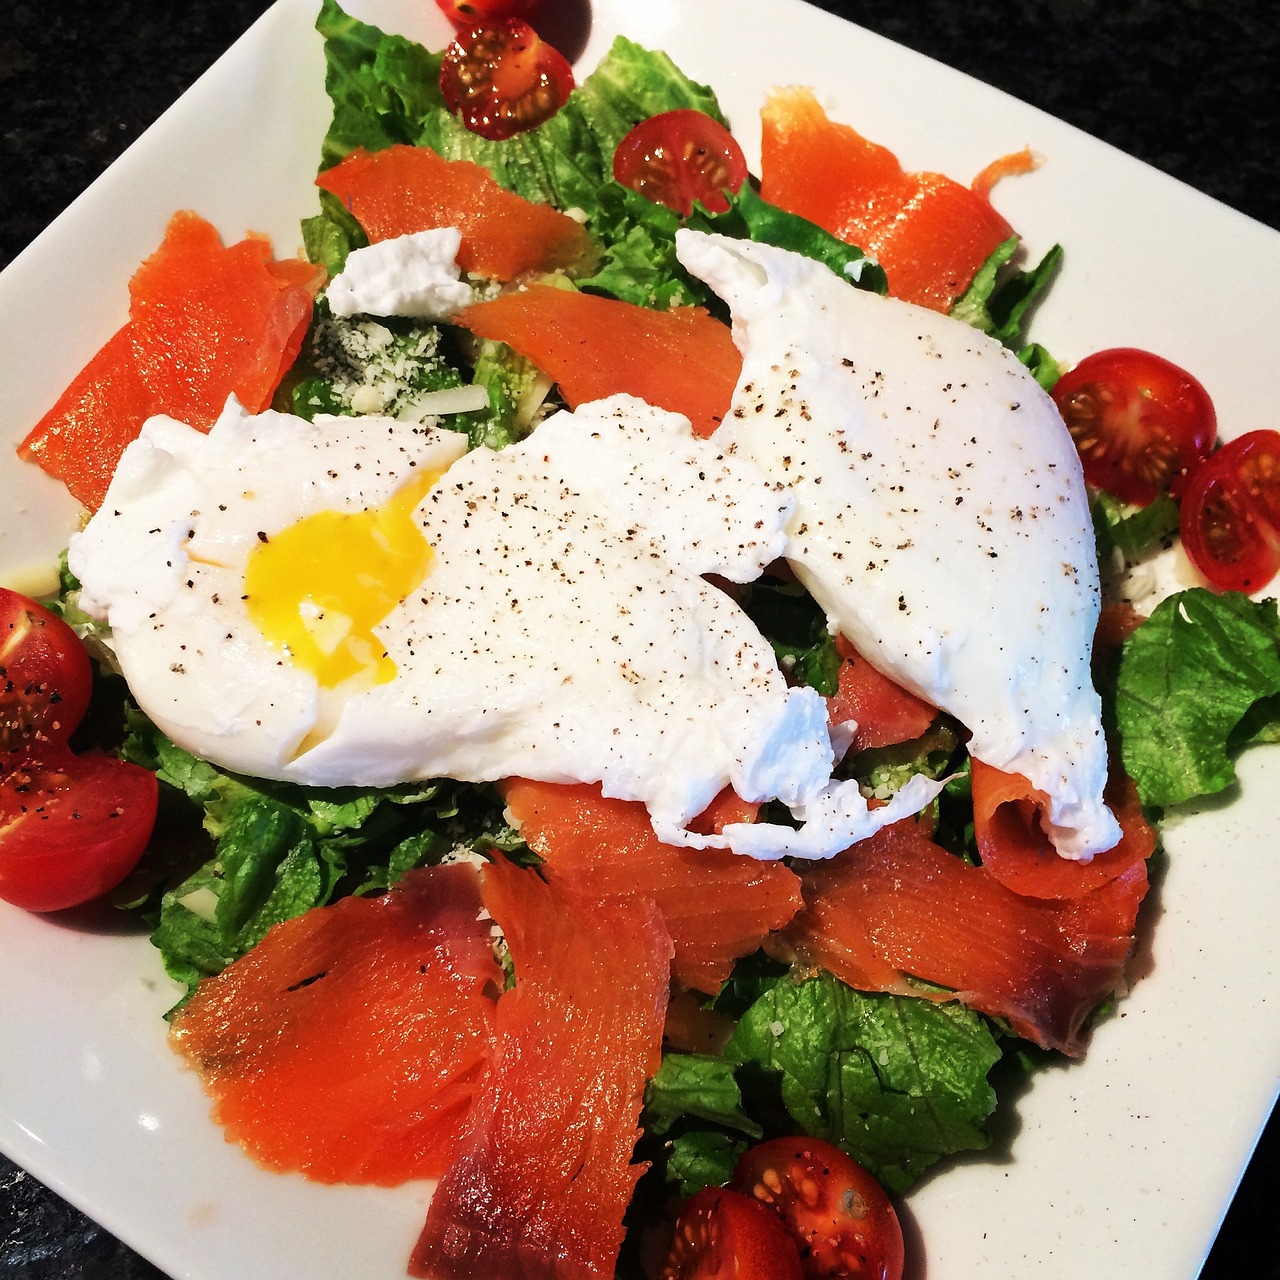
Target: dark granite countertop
<point>1191,86</point>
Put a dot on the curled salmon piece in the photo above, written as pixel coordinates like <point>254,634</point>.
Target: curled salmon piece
<point>897,906</point>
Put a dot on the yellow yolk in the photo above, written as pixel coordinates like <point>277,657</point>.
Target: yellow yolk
<point>318,588</point>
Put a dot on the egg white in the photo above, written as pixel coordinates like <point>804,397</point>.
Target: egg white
<point>940,516</point>
<point>565,629</point>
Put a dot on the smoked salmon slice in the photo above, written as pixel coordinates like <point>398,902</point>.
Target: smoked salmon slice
<point>929,233</point>
<point>717,905</point>
<point>402,189</point>
<point>205,322</point>
<point>80,440</point>
<point>1016,852</point>
<point>884,711</point>
<point>683,360</point>
<point>543,1172</point>
<point>897,904</point>
<point>349,1043</point>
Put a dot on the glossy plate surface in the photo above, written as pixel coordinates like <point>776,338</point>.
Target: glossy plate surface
<point>1121,1165</point>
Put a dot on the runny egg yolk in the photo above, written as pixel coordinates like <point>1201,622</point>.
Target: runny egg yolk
<point>318,588</point>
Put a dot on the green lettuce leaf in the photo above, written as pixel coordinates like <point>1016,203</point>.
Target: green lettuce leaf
<point>1198,679</point>
<point>702,1158</point>
<point>897,1082</point>
<point>381,86</point>
<point>793,623</point>
<point>999,300</point>
<point>279,849</point>
<point>698,1085</point>
<point>1130,533</point>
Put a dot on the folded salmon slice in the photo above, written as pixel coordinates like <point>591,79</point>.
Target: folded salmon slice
<point>683,359</point>
<point>206,321</point>
<point>349,1043</point>
<point>402,189</point>
<point>897,904</point>
<point>543,1172</point>
<point>717,905</point>
<point>1016,852</point>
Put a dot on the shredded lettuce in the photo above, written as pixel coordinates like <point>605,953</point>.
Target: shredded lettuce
<point>276,849</point>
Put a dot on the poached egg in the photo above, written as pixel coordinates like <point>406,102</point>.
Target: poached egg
<point>940,514</point>
<point>358,601</point>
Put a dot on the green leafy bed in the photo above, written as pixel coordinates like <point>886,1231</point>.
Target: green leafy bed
<point>901,1082</point>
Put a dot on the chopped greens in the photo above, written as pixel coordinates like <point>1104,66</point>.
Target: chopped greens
<point>279,849</point>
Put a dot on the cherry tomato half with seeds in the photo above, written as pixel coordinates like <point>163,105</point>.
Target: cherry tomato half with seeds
<point>465,14</point>
<point>680,157</point>
<point>502,78</point>
<point>71,827</point>
<point>725,1235</point>
<point>1139,422</point>
<point>45,676</point>
<point>837,1213</point>
<point>1230,513</point>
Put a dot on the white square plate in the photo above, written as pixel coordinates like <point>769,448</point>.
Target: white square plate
<point>1122,1165</point>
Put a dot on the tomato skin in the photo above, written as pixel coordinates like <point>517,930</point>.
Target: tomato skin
<point>465,14</point>
<point>45,676</point>
<point>502,78</point>
<point>71,827</point>
<point>1139,421</point>
<point>724,1235</point>
<point>1230,513</point>
<point>679,157</point>
<point>838,1214</point>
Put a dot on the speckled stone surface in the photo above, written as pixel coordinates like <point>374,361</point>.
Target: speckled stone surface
<point>1190,86</point>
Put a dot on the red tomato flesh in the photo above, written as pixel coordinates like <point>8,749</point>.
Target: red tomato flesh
<point>836,1212</point>
<point>1139,422</point>
<point>679,158</point>
<point>725,1235</point>
<point>71,827</point>
<point>45,677</point>
<point>465,14</point>
<point>502,78</point>
<point>1230,515</point>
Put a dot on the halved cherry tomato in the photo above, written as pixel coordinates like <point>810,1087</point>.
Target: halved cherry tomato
<point>725,1235</point>
<point>1230,514</point>
<point>45,676</point>
<point>678,157</point>
<point>503,78</point>
<point>838,1214</point>
<point>71,827</point>
<point>465,14</point>
<point>1139,422</point>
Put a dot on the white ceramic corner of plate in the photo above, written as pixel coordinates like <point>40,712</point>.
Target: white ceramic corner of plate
<point>1124,1163</point>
